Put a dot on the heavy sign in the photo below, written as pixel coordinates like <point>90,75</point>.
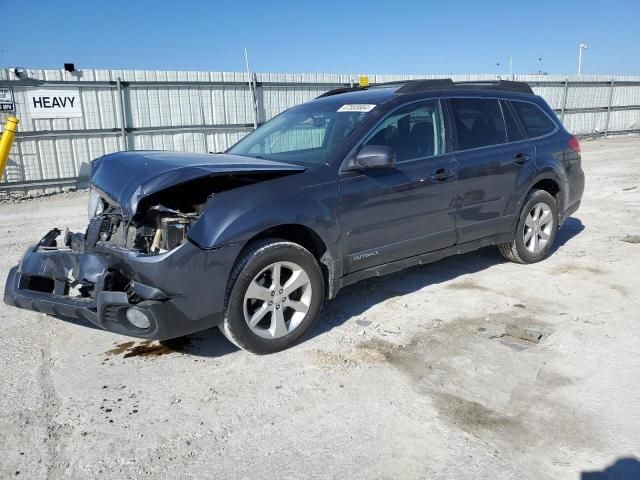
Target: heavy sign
<point>6,100</point>
<point>47,103</point>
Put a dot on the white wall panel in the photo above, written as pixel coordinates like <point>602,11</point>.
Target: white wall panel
<point>28,150</point>
<point>626,95</point>
<point>625,120</point>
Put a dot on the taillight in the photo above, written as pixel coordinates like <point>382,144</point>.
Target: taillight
<point>574,144</point>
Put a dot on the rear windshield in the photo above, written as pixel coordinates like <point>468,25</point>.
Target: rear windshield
<point>306,134</point>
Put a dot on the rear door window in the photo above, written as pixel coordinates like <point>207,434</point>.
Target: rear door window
<point>536,123</point>
<point>478,122</point>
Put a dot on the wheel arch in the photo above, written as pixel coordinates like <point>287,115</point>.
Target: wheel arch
<point>310,240</point>
<point>551,183</point>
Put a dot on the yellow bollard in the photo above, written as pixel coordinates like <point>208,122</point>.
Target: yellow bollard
<point>6,140</point>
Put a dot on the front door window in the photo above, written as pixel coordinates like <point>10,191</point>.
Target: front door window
<point>413,131</point>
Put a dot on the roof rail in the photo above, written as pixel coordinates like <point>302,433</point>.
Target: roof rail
<point>414,86</point>
<point>356,88</point>
<point>390,84</point>
<point>336,91</point>
<point>509,85</point>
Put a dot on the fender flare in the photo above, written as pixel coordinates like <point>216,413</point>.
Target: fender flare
<point>550,173</point>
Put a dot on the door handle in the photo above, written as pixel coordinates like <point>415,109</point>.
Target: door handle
<point>521,158</point>
<point>442,174</point>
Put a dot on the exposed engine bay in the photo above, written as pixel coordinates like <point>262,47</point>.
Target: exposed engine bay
<point>161,230</point>
<point>162,220</point>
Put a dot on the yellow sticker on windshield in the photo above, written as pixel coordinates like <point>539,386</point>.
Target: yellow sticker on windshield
<point>357,107</point>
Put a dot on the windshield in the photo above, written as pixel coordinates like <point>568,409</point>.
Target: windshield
<point>306,134</point>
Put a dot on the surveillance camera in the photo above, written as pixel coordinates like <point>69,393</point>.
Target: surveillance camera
<point>20,73</point>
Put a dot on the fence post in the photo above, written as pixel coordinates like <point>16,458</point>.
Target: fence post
<point>123,116</point>
<point>259,91</point>
<point>564,99</point>
<point>606,128</point>
<point>253,88</point>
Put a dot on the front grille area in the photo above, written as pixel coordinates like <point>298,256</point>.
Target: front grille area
<point>37,284</point>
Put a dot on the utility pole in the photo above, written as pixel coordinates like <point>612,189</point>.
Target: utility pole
<point>511,68</point>
<point>583,46</point>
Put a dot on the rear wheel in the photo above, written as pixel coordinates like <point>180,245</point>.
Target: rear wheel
<point>274,296</point>
<point>536,230</point>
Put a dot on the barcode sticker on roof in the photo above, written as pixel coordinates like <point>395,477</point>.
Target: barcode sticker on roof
<point>357,107</point>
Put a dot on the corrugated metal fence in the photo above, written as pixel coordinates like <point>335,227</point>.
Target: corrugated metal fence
<point>209,111</point>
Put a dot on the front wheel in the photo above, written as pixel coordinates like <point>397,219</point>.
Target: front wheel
<point>274,296</point>
<point>536,230</point>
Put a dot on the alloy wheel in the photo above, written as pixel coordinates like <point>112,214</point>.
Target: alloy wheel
<point>277,300</point>
<point>538,227</point>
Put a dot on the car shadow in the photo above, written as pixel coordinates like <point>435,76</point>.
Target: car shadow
<point>207,343</point>
<point>624,468</point>
<point>353,300</point>
<point>572,227</point>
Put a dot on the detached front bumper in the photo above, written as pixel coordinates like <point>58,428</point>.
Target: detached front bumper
<point>180,291</point>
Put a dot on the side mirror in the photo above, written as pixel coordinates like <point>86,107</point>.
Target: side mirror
<point>376,156</point>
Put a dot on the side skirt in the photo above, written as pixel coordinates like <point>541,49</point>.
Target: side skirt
<point>422,259</point>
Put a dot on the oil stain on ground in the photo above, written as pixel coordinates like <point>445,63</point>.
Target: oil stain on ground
<point>436,361</point>
<point>120,348</point>
<point>467,284</point>
<point>150,348</point>
<point>578,268</point>
<point>471,415</point>
<point>420,359</point>
<point>631,239</point>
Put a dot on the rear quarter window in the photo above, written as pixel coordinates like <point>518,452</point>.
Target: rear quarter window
<point>535,122</point>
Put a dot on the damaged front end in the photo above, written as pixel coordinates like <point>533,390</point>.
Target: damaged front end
<point>134,270</point>
<point>156,229</point>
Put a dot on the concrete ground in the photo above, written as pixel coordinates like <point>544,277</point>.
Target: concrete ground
<point>429,373</point>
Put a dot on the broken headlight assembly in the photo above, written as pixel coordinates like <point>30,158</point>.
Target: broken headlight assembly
<point>95,206</point>
<point>157,232</point>
<point>171,233</point>
<point>156,229</point>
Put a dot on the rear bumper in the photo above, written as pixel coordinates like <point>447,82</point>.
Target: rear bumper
<point>180,292</point>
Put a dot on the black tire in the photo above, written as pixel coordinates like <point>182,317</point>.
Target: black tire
<point>516,251</point>
<point>254,259</point>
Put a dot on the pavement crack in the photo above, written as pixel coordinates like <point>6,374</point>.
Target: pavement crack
<point>54,430</point>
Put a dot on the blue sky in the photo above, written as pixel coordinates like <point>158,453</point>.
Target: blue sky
<point>348,36</point>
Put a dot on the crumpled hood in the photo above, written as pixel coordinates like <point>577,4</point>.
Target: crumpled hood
<point>125,178</point>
